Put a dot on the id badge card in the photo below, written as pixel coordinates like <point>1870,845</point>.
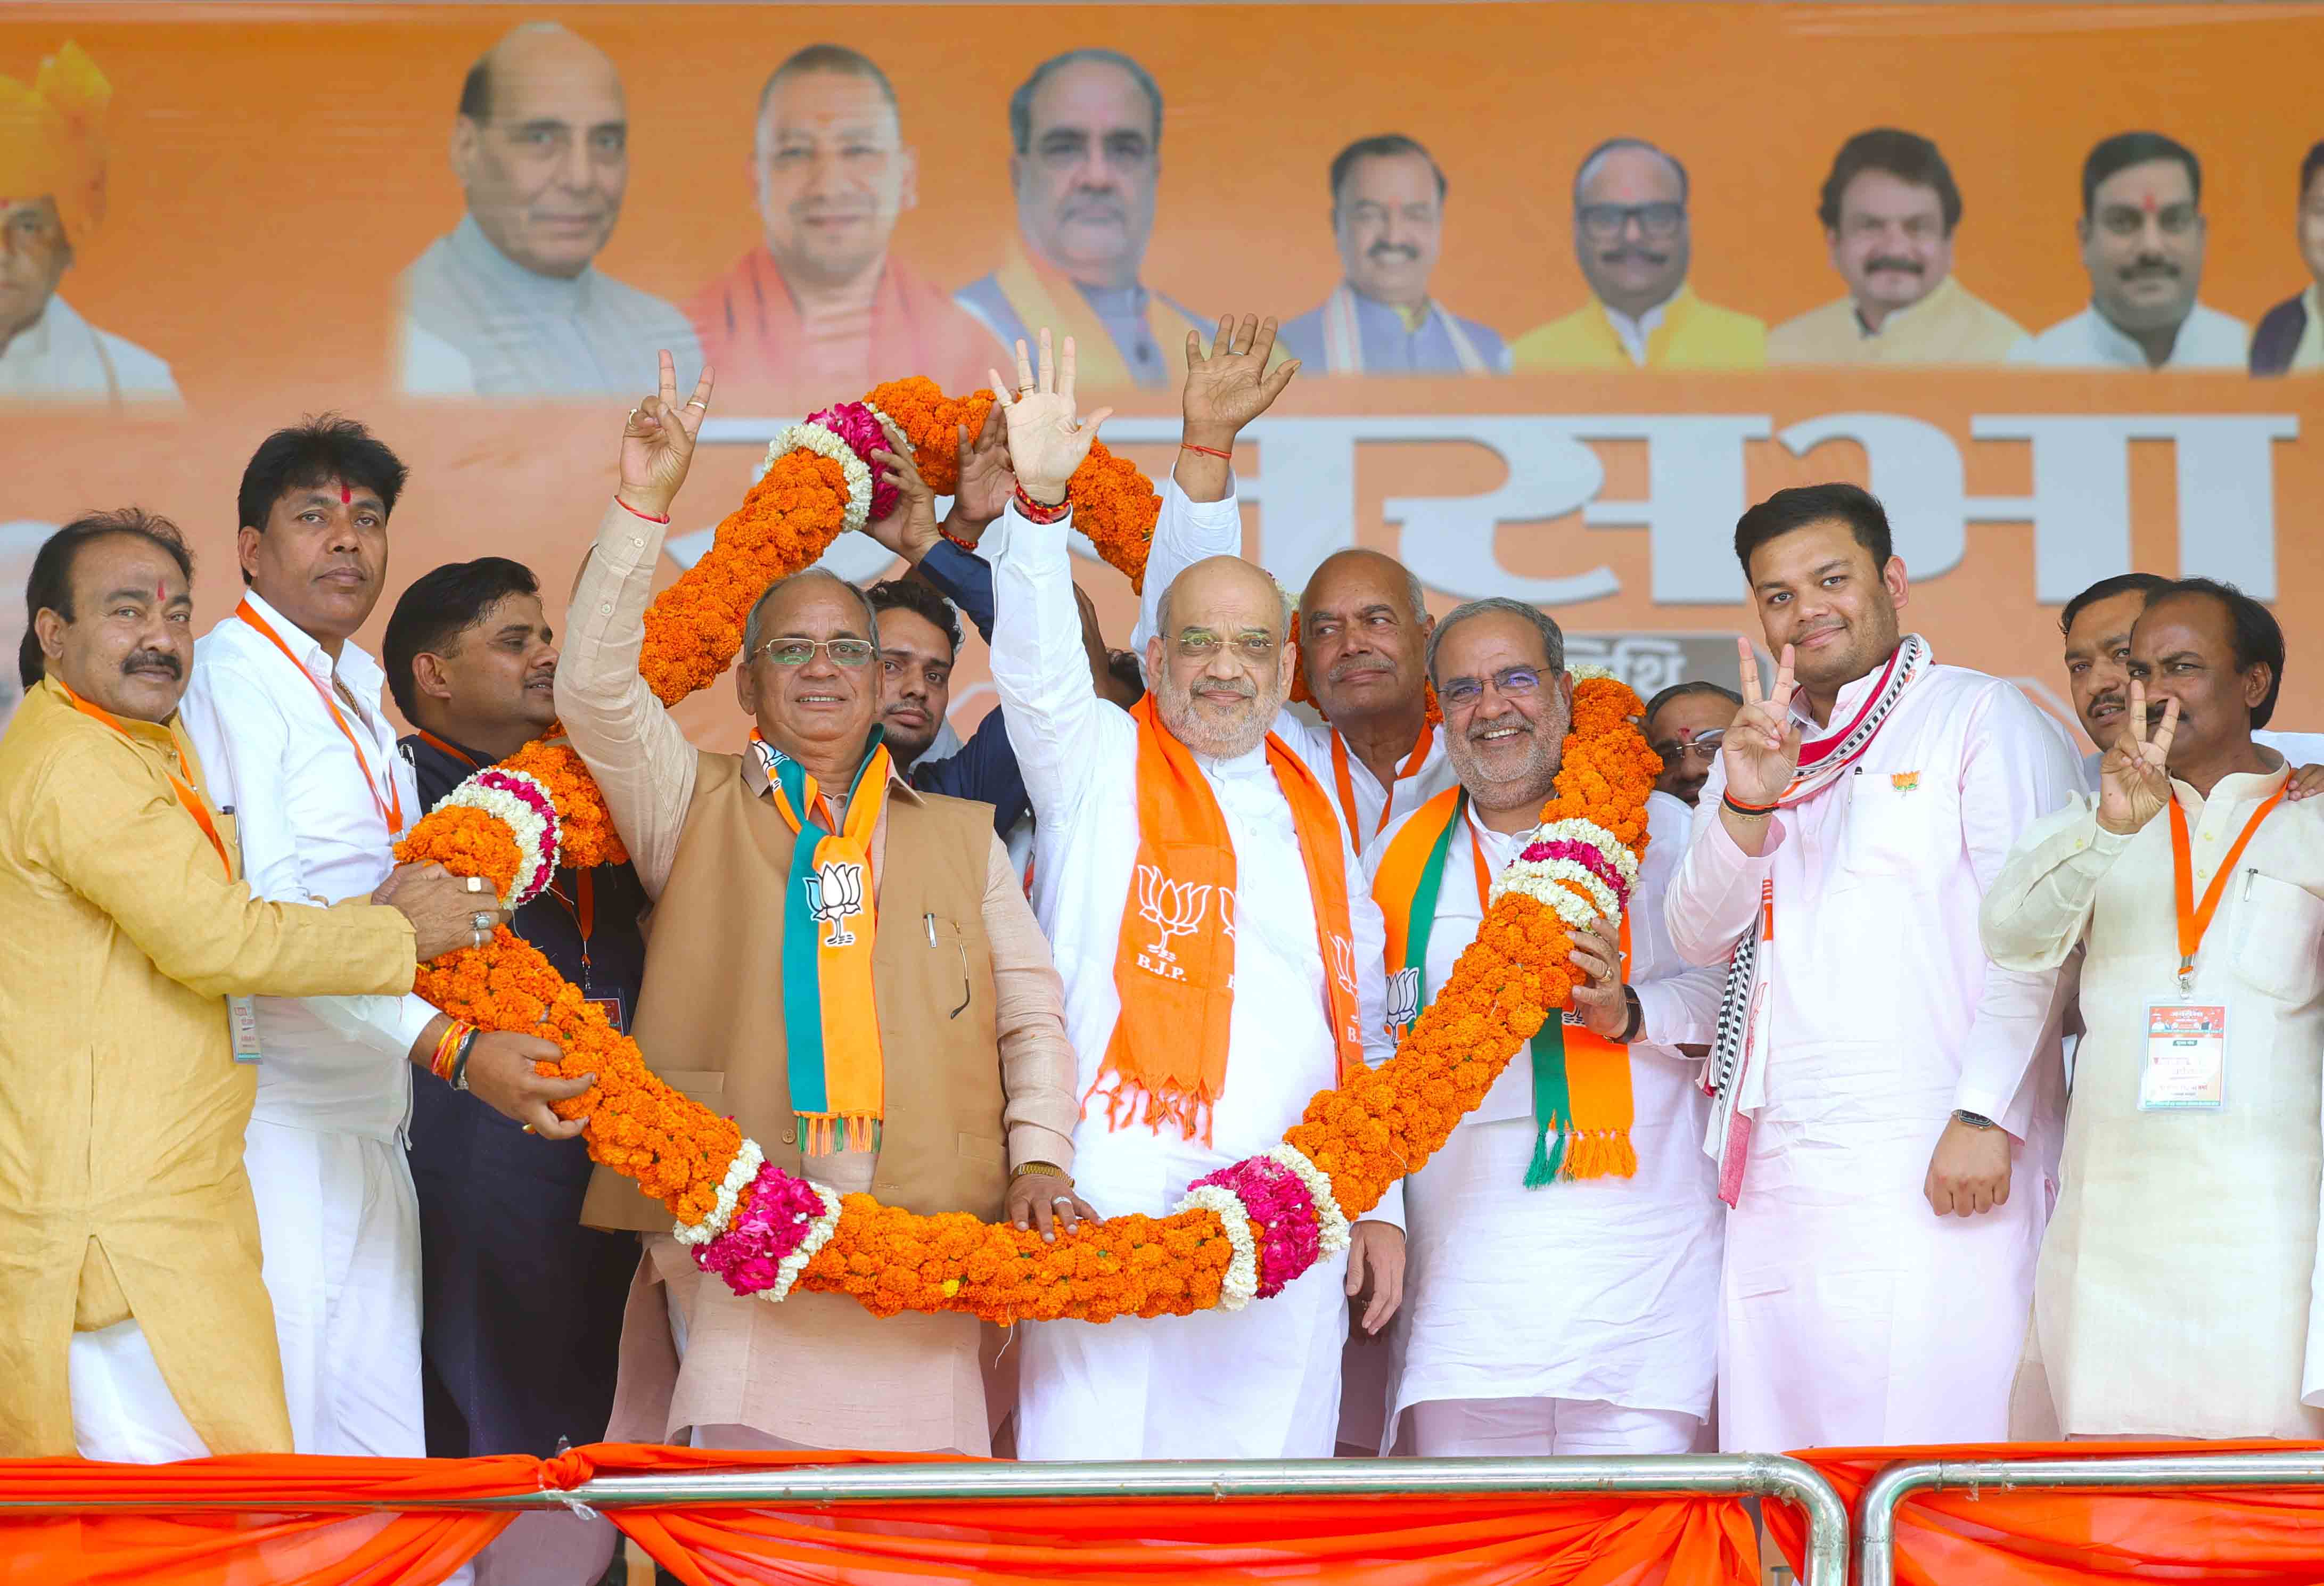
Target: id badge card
<point>242,1019</point>
<point>611,1008</point>
<point>2186,1064</point>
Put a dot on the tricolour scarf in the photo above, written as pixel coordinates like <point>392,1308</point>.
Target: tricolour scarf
<point>1738,1075</point>
<point>1167,1059</point>
<point>831,1021</point>
<point>1581,1081</point>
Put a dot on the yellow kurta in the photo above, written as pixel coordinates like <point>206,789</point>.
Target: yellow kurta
<point>1951,325</point>
<point>122,1108</point>
<point>1693,335</point>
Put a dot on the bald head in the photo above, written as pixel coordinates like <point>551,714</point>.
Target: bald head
<point>1220,666</point>
<point>1363,633</point>
<point>542,148</point>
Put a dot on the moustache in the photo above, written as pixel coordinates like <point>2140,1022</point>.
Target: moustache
<point>157,659</point>
<point>1359,669</point>
<point>1883,261</point>
<point>1241,688</point>
<point>1627,254</point>
<point>1093,208</point>
<point>1393,251</point>
<point>2143,268</point>
<point>1504,723</point>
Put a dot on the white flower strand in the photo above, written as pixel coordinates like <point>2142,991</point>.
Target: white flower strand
<point>535,840</point>
<point>1539,880</point>
<point>1241,1286</point>
<point>1331,1222</point>
<point>1590,832</point>
<point>819,1231</point>
<point>815,438</point>
<point>745,1167</point>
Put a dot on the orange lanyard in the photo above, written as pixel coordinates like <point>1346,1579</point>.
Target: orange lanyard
<point>391,808</point>
<point>1347,782</point>
<point>192,800</point>
<point>2194,921</point>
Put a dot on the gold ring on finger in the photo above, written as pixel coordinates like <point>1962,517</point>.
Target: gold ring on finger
<point>696,402</point>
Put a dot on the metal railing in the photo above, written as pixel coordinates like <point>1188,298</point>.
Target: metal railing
<point>1673,1475</point>
<point>1875,1523</point>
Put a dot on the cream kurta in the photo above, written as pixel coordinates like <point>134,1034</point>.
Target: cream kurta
<point>910,1382</point>
<point>1851,1312</point>
<point>1599,1289</point>
<point>1950,325</point>
<point>1263,1382</point>
<point>2172,1296</point>
<point>121,1106</point>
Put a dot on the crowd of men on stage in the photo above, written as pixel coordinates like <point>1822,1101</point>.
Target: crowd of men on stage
<point>1879,893</point>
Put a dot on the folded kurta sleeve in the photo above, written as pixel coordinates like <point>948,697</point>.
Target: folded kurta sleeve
<point>2019,768</point>
<point>1038,1071</point>
<point>639,756</point>
<point>2037,908</point>
<point>105,828</point>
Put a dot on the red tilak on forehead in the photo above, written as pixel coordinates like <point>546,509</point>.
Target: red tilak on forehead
<point>160,594</point>
<point>2147,203</point>
<point>346,495</point>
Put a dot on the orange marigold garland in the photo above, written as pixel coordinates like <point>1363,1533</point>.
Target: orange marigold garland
<point>1241,1232</point>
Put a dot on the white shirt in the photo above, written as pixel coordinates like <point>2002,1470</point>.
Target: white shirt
<point>1604,1289</point>
<point>311,830</point>
<point>1843,1319</point>
<point>2174,1298</point>
<point>62,355</point>
<point>2208,339</point>
<point>1635,333</point>
<point>1189,532</point>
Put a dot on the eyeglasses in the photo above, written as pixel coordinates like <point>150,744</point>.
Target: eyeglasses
<point>1605,222</point>
<point>1509,683</point>
<point>1200,644</point>
<point>797,653</point>
<point>1704,749</point>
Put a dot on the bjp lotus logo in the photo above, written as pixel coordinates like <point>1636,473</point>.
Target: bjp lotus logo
<point>1343,964</point>
<point>1403,998</point>
<point>1905,781</point>
<point>834,895</point>
<point>1173,908</point>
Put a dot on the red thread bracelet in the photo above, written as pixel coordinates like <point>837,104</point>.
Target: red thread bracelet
<point>1035,511</point>
<point>1740,807</point>
<point>1208,451</point>
<point>633,512</point>
<point>968,545</point>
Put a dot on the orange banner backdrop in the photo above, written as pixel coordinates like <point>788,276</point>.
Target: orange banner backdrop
<point>2034,1538</point>
<point>1420,1540</point>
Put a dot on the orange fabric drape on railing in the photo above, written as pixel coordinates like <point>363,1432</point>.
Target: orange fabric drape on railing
<point>2030,1537</point>
<point>1389,1541</point>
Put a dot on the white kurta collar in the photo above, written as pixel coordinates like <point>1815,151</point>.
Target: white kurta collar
<point>1251,763</point>
<point>2242,787</point>
<point>362,675</point>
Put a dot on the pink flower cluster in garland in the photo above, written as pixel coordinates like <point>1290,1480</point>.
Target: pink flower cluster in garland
<point>766,1242</point>
<point>529,792</point>
<point>859,427</point>
<point>1290,1239</point>
<point>1587,855</point>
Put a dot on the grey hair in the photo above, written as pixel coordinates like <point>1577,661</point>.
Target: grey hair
<point>751,626</point>
<point>1553,639</point>
<point>1020,103</point>
<point>1597,157</point>
<point>1416,594</point>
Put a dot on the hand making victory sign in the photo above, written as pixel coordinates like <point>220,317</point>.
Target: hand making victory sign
<point>1047,442</point>
<point>1761,750</point>
<point>658,442</point>
<point>2135,777</point>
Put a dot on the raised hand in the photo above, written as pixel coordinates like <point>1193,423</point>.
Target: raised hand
<point>1761,749</point>
<point>1046,442</point>
<point>909,529</point>
<point>658,442</point>
<point>985,482</point>
<point>2135,777</point>
<point>1231,387</point>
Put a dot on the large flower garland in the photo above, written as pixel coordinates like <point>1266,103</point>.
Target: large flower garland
<point>1241,1232</point>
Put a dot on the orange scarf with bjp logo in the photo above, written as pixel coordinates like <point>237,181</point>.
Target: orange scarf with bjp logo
<point>1175,964</point>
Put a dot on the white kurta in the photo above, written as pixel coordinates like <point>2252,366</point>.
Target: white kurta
<point>337,1220</point>
<point>2173,1294</point>
<point>2206,340</point>
<point>1260,1383</point>
<point>60,356</point>
<point>1602,1289</point>
<point>1189,532</point>
<point>1851,1313</point>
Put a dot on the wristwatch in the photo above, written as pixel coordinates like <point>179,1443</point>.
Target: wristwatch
<point>1974,1119</point>
<point>1637,1015</point>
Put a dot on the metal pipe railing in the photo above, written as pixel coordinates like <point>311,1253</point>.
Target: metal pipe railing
<point>1875,1523</point>
<point>1761,1475</point>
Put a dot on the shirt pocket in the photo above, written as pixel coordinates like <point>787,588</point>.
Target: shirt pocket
<point>2279,940</point>
<point>1902,827</point>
